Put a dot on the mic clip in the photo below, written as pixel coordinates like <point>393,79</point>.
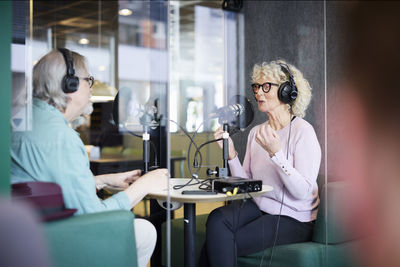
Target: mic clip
<point>219,172</point>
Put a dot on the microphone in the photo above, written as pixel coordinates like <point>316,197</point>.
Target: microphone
<point>130,113</point>
<point>238,114</point>
<point>225,113</point>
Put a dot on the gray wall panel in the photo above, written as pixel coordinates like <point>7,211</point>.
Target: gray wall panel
<point>292,31</point>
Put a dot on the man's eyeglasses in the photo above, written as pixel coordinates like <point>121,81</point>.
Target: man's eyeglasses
<point>90,80</point>
<point>265,87</point>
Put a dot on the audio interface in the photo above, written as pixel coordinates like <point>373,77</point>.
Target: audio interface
<point>223,185</point>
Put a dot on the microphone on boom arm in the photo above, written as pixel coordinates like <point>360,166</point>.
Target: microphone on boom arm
<point>135,114</point>
<point>238,114</point>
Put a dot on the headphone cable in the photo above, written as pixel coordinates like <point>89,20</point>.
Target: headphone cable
<point>283,197</point>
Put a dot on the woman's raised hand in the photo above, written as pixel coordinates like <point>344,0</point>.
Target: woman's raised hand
<point>268,139</point>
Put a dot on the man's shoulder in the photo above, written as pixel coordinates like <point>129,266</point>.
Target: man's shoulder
<point>47,130</point>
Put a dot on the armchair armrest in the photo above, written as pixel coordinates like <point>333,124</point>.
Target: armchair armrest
<point>97,239</point>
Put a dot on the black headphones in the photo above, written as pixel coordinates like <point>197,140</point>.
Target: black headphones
<point>287,92</point>
<point>70,82</point>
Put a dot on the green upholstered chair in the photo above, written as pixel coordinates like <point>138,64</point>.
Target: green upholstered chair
<point>97,239</point>
<point>313,254</point>
<point>307,254</point>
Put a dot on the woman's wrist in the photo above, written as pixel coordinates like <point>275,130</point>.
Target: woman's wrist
<point>232,155</point>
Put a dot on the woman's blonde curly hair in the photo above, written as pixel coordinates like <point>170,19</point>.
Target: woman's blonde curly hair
<point>273,70</point>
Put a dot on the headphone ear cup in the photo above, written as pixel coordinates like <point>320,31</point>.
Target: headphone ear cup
<point>70,84</point>
<point>284,92</point>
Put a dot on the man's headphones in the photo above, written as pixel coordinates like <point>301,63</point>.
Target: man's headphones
<point>287,92</point>
<point>70,82</point>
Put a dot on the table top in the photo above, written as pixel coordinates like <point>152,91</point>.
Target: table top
<point>177,196</point>
<point>122,158</point>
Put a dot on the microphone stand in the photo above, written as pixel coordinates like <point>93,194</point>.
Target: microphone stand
<point>146,138</point>
<point>225,151</point>
<point>145,120</point>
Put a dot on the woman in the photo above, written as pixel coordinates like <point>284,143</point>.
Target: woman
<point>53,152</point>
<point>282,152</point>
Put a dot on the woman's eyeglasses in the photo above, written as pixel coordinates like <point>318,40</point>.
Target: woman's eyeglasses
<point>90,80</point>
<point>265,87</point>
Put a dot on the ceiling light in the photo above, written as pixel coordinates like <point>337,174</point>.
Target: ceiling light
<point>83,41</point>
<point>125,12</point>
<point>102,68</point>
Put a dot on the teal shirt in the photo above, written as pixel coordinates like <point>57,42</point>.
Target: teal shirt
<point>54,152</point>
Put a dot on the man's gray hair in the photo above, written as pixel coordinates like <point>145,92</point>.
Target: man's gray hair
<point>48,75</point>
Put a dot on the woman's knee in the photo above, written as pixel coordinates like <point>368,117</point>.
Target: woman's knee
<point>215,217</point>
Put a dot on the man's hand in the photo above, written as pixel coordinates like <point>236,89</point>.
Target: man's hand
<point>155,180</point>
<point>117,180</point>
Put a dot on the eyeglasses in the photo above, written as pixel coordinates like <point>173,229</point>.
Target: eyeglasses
<point>90,80</point>
<point>265,87</point>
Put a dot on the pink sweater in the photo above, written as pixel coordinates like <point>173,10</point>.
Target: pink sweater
<point>298,173</point>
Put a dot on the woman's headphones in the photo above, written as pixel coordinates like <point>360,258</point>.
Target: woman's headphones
<point>287,92</point>
<point>70,82</point>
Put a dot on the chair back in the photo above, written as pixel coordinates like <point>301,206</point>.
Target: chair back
<point>330,214</point>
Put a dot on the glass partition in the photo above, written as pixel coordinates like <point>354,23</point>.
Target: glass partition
<point>125,44</point>
<point>206,72</point>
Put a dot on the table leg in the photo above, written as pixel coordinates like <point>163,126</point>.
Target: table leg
<point>189,210</point>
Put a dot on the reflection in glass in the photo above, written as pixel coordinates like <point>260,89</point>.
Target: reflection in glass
<point>204,61</point>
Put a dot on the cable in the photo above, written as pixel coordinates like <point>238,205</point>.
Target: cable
<point>199,152</point>
<point>283,197</point>
<point>180,186</point>
<point>194,175</point>
<point>206,184</point>
<point>202,145</point>
<point>243,200</point>
<point>188,154</point>
<point>191,141</point>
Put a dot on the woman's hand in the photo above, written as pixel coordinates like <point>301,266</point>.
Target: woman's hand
<point>268,139</point>
<point>118,180</point>
<point>232,151</point>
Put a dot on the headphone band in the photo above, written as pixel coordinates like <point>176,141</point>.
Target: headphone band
<point>70,83</point>
<point>68,61</point>
<point>287,91</point>
<point>286,70</point>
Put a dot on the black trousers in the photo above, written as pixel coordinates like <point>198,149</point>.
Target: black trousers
<point>241,228</point>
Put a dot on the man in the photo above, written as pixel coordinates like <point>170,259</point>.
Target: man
<point>53,152</point>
